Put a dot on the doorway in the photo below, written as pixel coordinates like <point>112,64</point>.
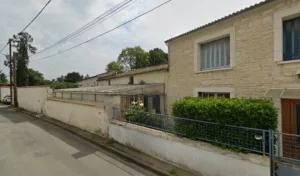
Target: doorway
<point>291,125</point>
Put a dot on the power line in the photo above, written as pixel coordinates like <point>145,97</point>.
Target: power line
<point>36,16</point>
<point>101,18</point>
<point>3,47</point>
<point>106,31</point>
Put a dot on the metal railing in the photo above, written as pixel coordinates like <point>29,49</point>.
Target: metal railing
<point>228,136</point>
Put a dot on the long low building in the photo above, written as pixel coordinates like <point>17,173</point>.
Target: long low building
<point>148,75</point>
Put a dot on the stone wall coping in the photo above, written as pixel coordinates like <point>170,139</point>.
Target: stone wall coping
<point>85,103</point>
<point>253,158</point>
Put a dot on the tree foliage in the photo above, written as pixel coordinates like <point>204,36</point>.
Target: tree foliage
<point>35,78</point>
<point>3,78</point>
<point>157,57</point>
<point>133,58</point>
<point>71,77</point>
<point>114,67</point>
<point>22,42</point>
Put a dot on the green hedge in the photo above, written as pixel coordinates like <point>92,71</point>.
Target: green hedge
<point>257,113</point>
<point>142,118</point>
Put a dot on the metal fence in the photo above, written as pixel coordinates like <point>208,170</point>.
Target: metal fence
<point>285,158</point>
<point>227,136</point>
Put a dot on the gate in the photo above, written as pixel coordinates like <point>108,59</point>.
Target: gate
<point>285,154</point>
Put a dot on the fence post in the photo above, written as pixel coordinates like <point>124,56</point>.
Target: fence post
<point>278,145</point>
<point>271,151</point>
<point>264,143</point>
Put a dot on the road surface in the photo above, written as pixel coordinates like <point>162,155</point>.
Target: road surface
<point>30,147</point>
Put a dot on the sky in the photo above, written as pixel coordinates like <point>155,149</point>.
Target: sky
<point>62,17</point>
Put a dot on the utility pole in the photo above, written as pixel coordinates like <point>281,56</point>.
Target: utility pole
<point>10,71</point>
<point>15,56</point>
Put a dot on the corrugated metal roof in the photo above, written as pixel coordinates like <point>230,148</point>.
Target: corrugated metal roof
<point>108,89</point>
<point>137,71</point>
<point>222,19</point>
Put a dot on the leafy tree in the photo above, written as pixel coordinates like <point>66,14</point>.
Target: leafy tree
<point>35,78</point>
<point>22,42</point>
<point>114,66</point>
<point>157,57</point>
<point>3,78</point>
<point>133,58</point>
<point>60,79</point>
<point>86,76</point>
<point>73,77</point>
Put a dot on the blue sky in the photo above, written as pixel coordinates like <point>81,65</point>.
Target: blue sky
<point>62,17</point>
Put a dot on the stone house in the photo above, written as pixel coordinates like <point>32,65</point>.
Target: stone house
<point>252,53</point>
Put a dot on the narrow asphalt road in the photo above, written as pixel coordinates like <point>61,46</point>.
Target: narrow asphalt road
<point>30,147</point>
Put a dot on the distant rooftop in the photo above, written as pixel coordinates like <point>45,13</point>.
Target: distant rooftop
<point>135,72</point>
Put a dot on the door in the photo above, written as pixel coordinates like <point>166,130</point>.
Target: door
<point>291,125</point>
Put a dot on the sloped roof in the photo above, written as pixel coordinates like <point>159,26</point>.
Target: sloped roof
<point>222,19</point>
<point>137,71</point>
<point>101,75</point>
<point>111,89</point>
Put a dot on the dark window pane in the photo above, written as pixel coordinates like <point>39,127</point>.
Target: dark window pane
<point>211,95</point>
<point>227,95</point>
<point>205,95</point>
<point>298,122</point>
<point>200,94</point>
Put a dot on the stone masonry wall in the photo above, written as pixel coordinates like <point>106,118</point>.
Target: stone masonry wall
<point>255,70</point>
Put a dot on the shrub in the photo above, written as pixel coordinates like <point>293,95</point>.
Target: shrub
<point>138,115</point>
<point>238,112</point>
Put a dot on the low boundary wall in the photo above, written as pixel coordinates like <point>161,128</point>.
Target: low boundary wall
<point>193,155</point>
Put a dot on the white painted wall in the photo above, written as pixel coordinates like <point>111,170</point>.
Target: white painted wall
<point>33,98</point>
<point>150,77</point>
<point>90,82</point>
<point>103,83</point>
<point>91,118</point>
<point>188,154</point>
<point>118,81</point>
<point>4,91</point>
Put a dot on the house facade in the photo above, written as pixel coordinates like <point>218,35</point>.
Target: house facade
<point>148,75</point>
<point>249,54</point>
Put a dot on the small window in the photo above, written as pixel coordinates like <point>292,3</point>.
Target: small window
<point>109,82</point>
<point>291,39</point>
<point>215,54</point>
<point>131,81</point>
<point>213,95</point>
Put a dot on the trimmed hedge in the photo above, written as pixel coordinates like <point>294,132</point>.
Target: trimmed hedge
<point>251,113</point>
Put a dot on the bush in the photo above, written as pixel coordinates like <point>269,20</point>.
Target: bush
<point>63,85</point>
<point>138,115</point>
<point>249,113</point>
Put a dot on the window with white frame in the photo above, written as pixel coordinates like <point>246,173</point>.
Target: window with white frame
<point>215,54</point>
<point>213,94</point>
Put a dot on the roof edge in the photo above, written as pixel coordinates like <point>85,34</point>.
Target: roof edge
<point>222,19</point>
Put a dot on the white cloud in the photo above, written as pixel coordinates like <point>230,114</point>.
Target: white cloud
<point>61,18</point>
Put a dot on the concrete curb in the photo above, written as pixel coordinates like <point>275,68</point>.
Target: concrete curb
<point>128,154</point>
